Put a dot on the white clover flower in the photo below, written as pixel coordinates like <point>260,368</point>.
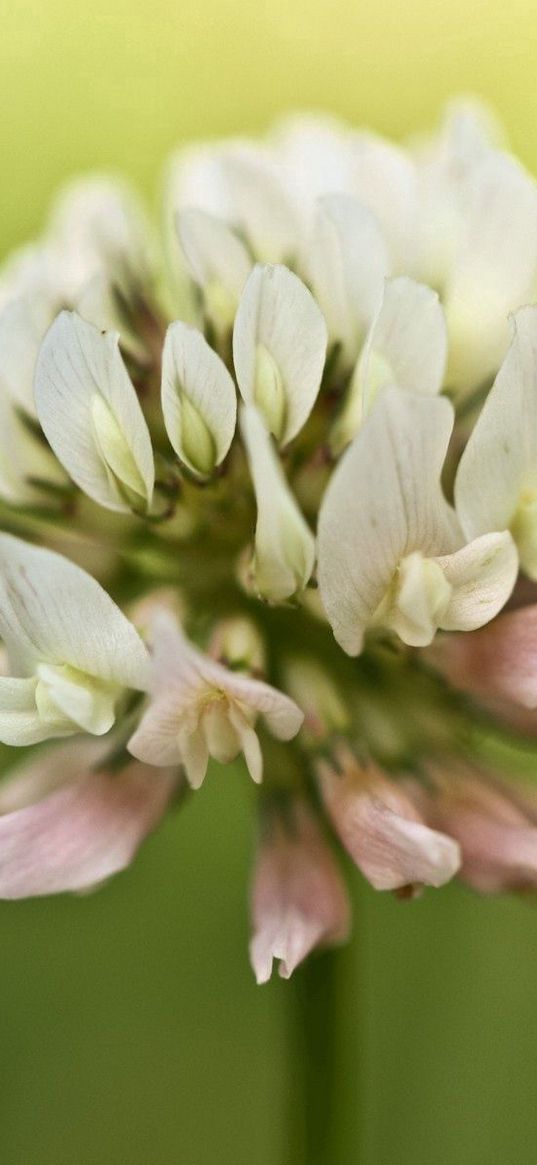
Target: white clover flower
<point>390,548</point>
<point>72,651</point>
<point>200,709</point>
<point>90,414</point>
<point>254,429</point>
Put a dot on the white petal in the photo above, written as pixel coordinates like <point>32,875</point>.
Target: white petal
<point>25,460</point>
<point>214,253</point>
<point>284,545</point>
<point>316,156</point>
<point>499,464</point>
<point>278,315</point>
<point>446,164</point>
<point>23,323</point>
<point>98,225</point>
<point>78,368</point>
<point>347,262</point>
<point>482,575</point>
<point>198,400</point>
<point>406,346</point>
<point>258,202</point>
<point>494,270</point>
<point>64,826</point>
<point>384,180</point>
<point>181,676</point>
<point>383,502</point>
<point>52,611</point>
<point>240,182</point>
<point>20,722</point>
<point>407,341</point>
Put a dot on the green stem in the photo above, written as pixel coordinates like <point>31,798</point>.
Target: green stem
<point>321,1127</point>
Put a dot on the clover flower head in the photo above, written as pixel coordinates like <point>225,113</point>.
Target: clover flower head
<point>268,490</point>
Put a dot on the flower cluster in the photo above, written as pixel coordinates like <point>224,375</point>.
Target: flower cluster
<point>296,441</point>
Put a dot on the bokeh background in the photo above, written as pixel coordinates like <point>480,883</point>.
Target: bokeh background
<point>130,1029</point>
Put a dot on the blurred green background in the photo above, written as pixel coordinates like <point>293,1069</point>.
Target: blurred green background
<point>131,1032</point>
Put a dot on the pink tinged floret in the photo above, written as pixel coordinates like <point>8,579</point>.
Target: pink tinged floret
<point>299,898</point>
<point>497,662</point>
<point>496,828</point>
<point>382,830</point>
<point>67,825</point>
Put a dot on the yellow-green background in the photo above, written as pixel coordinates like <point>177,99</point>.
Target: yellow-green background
<point>130,1029</point>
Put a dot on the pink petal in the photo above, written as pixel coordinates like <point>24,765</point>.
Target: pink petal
<point>382,831</point>
<point>495,829</point>
<point>499,661</point>
<point>299,899</point>
<point>65,826</point>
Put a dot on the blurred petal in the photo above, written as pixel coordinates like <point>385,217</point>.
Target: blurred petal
<point>347,262</point>
<point>215,255</point>
<point>299,899</point>
<point>494,270</point>
<point>499,661</point>
<point>66,826</point>
<point>496,485</point>
<point>384,180</point>
<point>498,839</point>
<point>98,225</point>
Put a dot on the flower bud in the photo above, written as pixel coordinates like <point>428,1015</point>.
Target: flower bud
<point>237,643</point>
<point>198,400</point>
<point>325,711</point>
<point>284,545</point>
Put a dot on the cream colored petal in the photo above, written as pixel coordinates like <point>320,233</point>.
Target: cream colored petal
<point>346,264</point>
<point>52,611</point>
<point>91,415</point>
<point>279,349</point>
<point>383,502</point>
<point>199,401</point>
<point>497,474</point>
<point>284,545</point>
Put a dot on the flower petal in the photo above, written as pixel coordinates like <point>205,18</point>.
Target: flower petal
<point>299,899</point>
<point>497,474</point>
<point>214,253</point>
<point>347,262</point>
<point>381,830</point>
<point>66,826</point>
<point>498,662</point>
<point>482,576</point>
<point>91,415</point>
<point>284,545</point>
<point>407,342</point>
<point>52,611</point>
<point>384,501</point>
<point>384,180</point>
<point>279,321</point>
<point>198,400</point>
<point>494,269</point>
